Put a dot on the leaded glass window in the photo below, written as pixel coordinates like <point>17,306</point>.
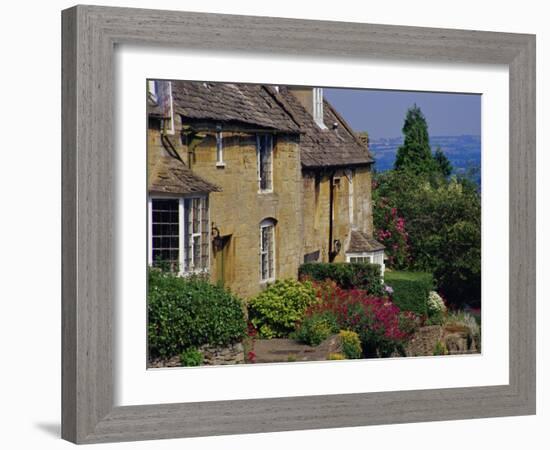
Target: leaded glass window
<point>165,232</point>
<point>196,234</point>
<point>264,144</point>
<point>267,250</point>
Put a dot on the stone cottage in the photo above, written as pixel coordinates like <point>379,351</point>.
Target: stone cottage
<point>247,182</point>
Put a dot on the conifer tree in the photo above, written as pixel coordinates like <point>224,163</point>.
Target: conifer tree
<point>415,154</point>
<point>442,162</point>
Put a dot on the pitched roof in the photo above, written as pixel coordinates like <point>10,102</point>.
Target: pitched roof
<point>360,242</point>
<point>154,109</point>
<point>234,103</point>
<point>171,175</point>
<point>337,145</point>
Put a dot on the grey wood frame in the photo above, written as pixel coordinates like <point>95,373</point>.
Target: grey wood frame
<point>89,34</point>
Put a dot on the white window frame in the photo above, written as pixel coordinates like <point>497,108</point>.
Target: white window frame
<point>371,257</point>
<point>318,108</point>
<point>267,223</point>
<point>258,158</point>
<point>192,238</point>
<point>219,149</point>
<point>181,232</point>
<point>181,226</point>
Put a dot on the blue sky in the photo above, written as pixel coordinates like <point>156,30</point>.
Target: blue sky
<point>381,113</point>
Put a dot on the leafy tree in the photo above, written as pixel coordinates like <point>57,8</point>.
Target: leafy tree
<point>443,228</point>
<point>442,162</point>
<point>415,154</point>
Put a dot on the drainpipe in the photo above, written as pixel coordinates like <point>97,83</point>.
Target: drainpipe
<point>331,253</point>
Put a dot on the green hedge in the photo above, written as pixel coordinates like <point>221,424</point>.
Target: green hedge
<point>190,312</point>
<point>410,290</point>
<point>363,276</point>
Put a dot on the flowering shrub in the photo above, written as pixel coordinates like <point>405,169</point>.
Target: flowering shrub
<point>275,311</point>
<point>435,304</point>
<point>351,344</point>
<point>376,320</point>
<point>251,357</point>
<point>391,232</point>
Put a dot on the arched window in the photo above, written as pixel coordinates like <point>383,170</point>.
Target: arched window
<point>267,250</point>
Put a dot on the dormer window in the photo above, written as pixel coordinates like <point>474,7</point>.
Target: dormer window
<point>318,107</point>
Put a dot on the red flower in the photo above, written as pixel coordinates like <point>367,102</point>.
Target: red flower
<point>251,357</point>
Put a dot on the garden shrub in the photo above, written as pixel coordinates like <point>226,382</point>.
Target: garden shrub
<point>436,309</point>
<point>375,319</point>
<point>191,357</point>
<point>464,321</point>
<point>335,357</point>
<point>440,349</point>
<point>442,219</point>
<point>410,290</point>
<point>315,328</point>
<point>409,322</point>
<point>363,276</point>
<point>275,311</point>
<point>189,312</point>
<point>351,344</point>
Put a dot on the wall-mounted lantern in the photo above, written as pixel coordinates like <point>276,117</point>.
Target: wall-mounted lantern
<point>217,240</point>
<point>336,247</point>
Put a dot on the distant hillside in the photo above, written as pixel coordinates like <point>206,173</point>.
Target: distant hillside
<point>464,152</point>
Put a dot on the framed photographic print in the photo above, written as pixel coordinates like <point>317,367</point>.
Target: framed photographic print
<point>265,229</point>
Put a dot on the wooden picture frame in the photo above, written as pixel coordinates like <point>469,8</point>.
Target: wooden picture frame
<point>89,36</point>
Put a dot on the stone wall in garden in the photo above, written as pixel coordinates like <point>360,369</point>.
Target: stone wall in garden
<point>437,340</point>
<point>213,356</point>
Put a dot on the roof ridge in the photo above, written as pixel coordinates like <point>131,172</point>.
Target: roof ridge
<point>347,127</point>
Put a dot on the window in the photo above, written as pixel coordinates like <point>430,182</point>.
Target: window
<point>376,257</point>
<point>179,234</point>
<point>349,176</point>
<point>196,235</point>
<point>360,259</point>
<point>165,228</point>
<point>219,149</point>
<point>267,250</point>
<point>264,149</point>
<point>318,107</point>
